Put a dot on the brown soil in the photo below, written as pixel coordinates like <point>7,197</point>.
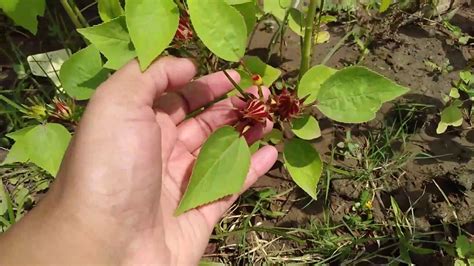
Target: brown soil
<point>423,184</point>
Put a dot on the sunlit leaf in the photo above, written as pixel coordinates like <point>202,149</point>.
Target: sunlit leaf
<point>253,64</point>
<point>355,94</point>
<point>312,80</point>
<point>450,116</point>
<point>112,39</point>
<point>322,37</point>
<point>465,76</point>
<point>454,93</point>
<point>43,145</point>
<point>220,27</point>
<point>82,73</point>
<point>152,25</point>
<point>384,5</point>
<point>306,127</point>
<point>109,9</point>
<point>24,12</point>
<point>219,171</point>
<point>304,165</point>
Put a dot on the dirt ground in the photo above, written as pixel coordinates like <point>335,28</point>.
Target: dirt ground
<point>422,182</point>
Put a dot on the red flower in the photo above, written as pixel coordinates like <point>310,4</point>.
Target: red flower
<point>256,111</point>
<point>287,105</point>
<point>184,32</point>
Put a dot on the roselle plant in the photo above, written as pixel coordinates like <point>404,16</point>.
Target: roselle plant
<point>217,32</point>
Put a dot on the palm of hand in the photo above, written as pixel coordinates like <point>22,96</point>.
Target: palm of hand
<point>131,159</point>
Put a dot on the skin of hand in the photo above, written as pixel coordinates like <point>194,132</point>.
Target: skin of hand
<point>126,169</point>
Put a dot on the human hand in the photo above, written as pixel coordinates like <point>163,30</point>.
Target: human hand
<point>126,170</point>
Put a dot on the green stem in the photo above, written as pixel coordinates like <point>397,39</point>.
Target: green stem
<point>337,47</point>
<point>70,12</point>
<point>308,38</point>
<point>78,13</point>
<point>241,91</point>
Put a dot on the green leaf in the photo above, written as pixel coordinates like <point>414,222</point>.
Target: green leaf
<point>210,263</point>
<point>355,94</point>
<point>3,200</point>
<point>24,12</point>
<point>112,40</point>
<point>463,246</point>
<point>276,7</point>
<point>220,27</point>
<point>296,21</point>
<point>312,80</point>
<point>304,165</point>
<point>454,93</point>
<point>43,145</point>
<point>82,73</point>
<point>306,127</point>
<point>465,76</point>
<point>384,5</point>
<point>248,11</point>
<point>109,9</point>
<point>21,195</point>
<point>254,148</point>
<point>219,171</point>
<point>237,2</point>
<point>450,116</point>
<point>458,262</point>
<point>253,64</point>
<point>275,136</point>
<point>152,25</point>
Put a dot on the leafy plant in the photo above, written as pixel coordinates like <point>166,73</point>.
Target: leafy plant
<point>350,95</point>
<point>461,93</point>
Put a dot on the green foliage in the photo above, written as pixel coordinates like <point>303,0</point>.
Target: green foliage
<point>311,82</point>
<point>304,165</point>
<point>152,25</point>
<point>220,169</point>
<point>306,127</point>
<point>43,145</point>
<point>82,73</point>
<point>253,64</point>
<point>248,10</point>
<point>275,136</point>
<point>112,40</point>
<point>355,94</point>
<point>109,9</point>
<point>24,12</point>
<point>220,27</point>
<point>276,7</point>
<point>384,5</point>
<point>450,116</point>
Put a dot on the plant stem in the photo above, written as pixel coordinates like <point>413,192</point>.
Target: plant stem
<point>72,15</point>
<point>308,38</point>
<point>246,97</point>
<point>78,13</point>
<point>337,47</point>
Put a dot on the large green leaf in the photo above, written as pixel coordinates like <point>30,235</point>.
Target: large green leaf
<point>306,127</point>
<point>304,165</point>
<point>82,73</point>
<point>220,169</point>
<point>355,94</point>
<point>112,39</point>
<point>253,64</point>
<point>248,10</point>
<point>152,25</point>
<point>109,9</point>
<point>43,145</point>
<point>312,80</point>
<point>220,26</point>
<point>24,12</point>
<point>450,116</point>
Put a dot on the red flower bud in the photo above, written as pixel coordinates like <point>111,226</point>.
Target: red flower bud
<point>255,112</point>
<point>257,80</point>
<point>287,105</point>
